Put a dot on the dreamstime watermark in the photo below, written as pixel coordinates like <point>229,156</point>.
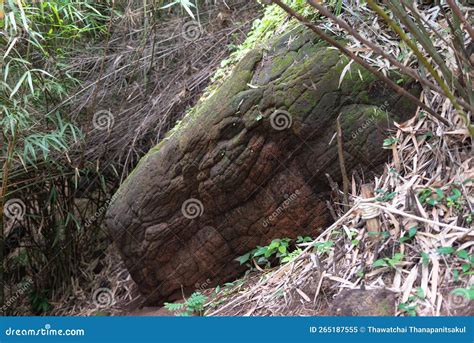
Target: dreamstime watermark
<point>14,209</point>
<point>192,208</point>
<point>202,286</point>
<point>275,214</point>
<point>191,31</point>
<point>281,120</point>
<point>98,214</point>
<point>18,294</point>
<point>103,297</point>
<point>46,331</point>
<point>371,120</point>
<point>103,120</point>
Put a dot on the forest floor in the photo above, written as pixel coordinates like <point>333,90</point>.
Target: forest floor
<point>422,209</point>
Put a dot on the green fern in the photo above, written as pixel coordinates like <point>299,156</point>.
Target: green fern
<point>194,305</point>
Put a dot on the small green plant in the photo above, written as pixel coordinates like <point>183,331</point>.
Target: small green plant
<point>323,247</point>
<point>469,217</point>
<point>279,251</point>
<point>291,256</point>
<point>425,258</point>
<point>194,305</point>
<point>445,250</point>
<point>409,307</point>
<point>455,199</point>
<point>301,239</point>
<point>39,302</point>
<point>431,197</point>
<point>389,262</point>
<point>389,142</point>
<point>408,236</point>
<point>384,195</point>
<point>467,266</point>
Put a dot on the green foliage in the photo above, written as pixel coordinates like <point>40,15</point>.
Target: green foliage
<point>455,199</point>
<point>187,5</point>
<point>389,142</point>
<point>34,37</point>
<point>194,305</point>
<point>323,247</point>
<point>411,305</point>
<point>37,133</point>
<point>301,239</point>
<point>408,236</point>
<point>278,249</point>
<point>445,250</point>
<point>452,198</point>
<point>281,251</point>
<point>389,262</point>
<point>425,258</point>
<point>431,197</point>
<point>408,308</point>
<point>384,195</point>
<point>467,262</point>
<point>39,302</point>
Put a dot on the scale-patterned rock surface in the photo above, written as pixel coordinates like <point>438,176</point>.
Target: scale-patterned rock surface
<point>248,165</point>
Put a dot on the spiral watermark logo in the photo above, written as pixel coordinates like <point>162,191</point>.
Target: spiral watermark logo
<point>281,120</point>
<point>103,120</point>
<point>192,208</point>
<point>459,298</point>
<point>103,297</point>
<point>191,31</point>
<point>14,209</point>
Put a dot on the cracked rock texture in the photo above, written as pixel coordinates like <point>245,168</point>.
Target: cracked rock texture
<point>248,165</point>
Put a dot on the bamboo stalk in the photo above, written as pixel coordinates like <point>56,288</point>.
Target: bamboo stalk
<point>459,14</point>
<point>419,32</point>
<point>3,192</point>
<point>373,224</point>
<point>360,61</point>
<point>340,152</point>
<point>403,36</point>
<point>422,59</point>
<point>378,50</point>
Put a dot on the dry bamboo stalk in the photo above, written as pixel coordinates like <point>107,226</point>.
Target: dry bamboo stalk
<point>399,90</point>
<point>340,152</point>
<point>373,224</point>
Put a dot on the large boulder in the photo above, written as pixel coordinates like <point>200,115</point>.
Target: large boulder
<point>248,165</point>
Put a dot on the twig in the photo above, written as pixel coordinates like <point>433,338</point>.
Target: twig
<point>421,219</point>
<point>360,61</point>
<point>459,14</point>
<point>378,50</point>
<point>342,164</point>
